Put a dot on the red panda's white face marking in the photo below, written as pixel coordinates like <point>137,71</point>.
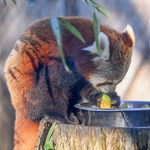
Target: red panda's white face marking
<point>99,82</point>
<point>103,52</point>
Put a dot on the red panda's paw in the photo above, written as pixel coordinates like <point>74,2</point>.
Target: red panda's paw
<point>115,100</point>
<point>51,120</point>
<point>58,120</point>
<point>115,103</point>
<point>81,117</point>
<point>73,119</point>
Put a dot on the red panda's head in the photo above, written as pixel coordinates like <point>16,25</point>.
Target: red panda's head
<point>113,59</point>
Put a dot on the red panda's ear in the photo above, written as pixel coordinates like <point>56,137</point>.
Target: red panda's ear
<point>104,51</point>
<point>128,33</point>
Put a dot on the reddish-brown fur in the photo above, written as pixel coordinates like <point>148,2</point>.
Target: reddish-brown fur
<point>25,133</point>
<point>36,54</point>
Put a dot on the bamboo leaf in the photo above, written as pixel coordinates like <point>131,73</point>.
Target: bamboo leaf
<point>102,12</point>
<point>47,146</point>
<point>5,3</point>
<point>96,27</point>
<point>87,1</point>
<point>31,2</point>
<point>56,28</point>
<point>101,9</point>
<point>14,1</point>
<point>98,19</point>
<point>48,142</point>
<point>50,133</point>
<point>72,29</point>
<point>63,59</point>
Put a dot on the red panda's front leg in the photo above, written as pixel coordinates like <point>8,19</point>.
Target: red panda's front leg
<point>93,96</point>
<point>115,100</point>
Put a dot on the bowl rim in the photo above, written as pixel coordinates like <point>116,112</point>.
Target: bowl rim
<point>115,109</point>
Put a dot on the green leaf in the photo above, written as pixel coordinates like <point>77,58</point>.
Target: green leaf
<point>50,133</point>
<point>14,1</point>
<point>87,1</point>
<point>96,27</point>
<point>5,3</point>
<point>31,2</point>
<point>47,146</point>
<point>98,19</point>
<point>56,28</point>
<point>124,105</point>
<point>71,28</point>
<point>145,106</point>
<point>101,9</point>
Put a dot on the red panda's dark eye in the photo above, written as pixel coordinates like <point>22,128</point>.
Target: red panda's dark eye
<point>109,82</point>
<point>95,55</point>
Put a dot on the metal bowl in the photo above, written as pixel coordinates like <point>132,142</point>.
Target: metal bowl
<point>134,116</point>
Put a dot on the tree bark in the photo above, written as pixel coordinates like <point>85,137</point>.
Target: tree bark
<point>70,8</point>
<point>6,118</point>
<point>71,137</point>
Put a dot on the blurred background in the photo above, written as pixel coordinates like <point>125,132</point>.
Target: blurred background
<point>15,18</point>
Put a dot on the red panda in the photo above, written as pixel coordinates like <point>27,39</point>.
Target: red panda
<point>38,83</point>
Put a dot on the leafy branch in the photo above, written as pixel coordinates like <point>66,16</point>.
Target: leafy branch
<point>5,3</point>
<point>99,8</point>
<point>96,18</point>
<point>96,26</point>
<point>57,23</point>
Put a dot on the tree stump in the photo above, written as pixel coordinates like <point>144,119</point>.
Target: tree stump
<point>76,137</point>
